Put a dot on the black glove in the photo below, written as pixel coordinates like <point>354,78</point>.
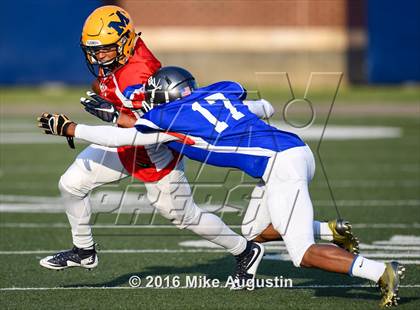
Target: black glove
<point>55,124</point>
<point>100,107</point>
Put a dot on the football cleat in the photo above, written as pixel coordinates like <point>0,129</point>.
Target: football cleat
<point>343,235</point>
<point>247,265</point>
<point>76,257</point>
<point>389,282</point>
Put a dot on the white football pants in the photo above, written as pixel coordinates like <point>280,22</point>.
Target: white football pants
<point>98,165</point>
<point>284,201</point>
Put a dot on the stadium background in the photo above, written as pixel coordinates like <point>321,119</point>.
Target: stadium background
<point>361,56</point>
<point>370,41</point>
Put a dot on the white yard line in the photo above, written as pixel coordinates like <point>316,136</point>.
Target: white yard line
<point>120,251</point>
<point>333,132</point>
<point>285,257</point>
<point>385,225</point>
<point>320,286</point>
<point>380,243</point>
<point>129,205</point>
<point>389,247</point>
<point>29,199</point>
<point>344,168</point>
<point>102,226</point>
<point>391,255</point>
<point>59,225</point>
<point>349,286</point>
<point>132,198</point>
<point>30,208</point>
<point>204,250</point>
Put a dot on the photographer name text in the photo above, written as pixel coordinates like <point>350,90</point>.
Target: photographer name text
<point>201,281</point>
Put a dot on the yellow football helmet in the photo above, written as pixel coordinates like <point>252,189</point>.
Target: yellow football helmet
<point>108,28</point>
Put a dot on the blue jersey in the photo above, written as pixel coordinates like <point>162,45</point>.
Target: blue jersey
<point>224,132</point>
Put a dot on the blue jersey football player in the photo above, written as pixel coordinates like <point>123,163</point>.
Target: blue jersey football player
<point>213,125</point>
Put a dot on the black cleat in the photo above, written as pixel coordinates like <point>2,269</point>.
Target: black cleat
<point>247,265</point>
<point>85,258</point>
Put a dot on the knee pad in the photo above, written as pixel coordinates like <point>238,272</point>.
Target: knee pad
<point>72,182</point>
<point>172,197</point>
<point>161,199</point>
<point>191,216</point>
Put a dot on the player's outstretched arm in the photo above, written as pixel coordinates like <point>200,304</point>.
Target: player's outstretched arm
<point>261,108</point>
<point>59,124</point>
<point>115,136</point>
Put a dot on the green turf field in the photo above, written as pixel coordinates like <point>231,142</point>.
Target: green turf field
<point>375,183</point>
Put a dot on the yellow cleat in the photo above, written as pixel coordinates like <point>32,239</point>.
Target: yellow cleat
<point>389,282</point>
<point>343,236</point>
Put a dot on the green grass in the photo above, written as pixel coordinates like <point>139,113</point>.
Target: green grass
<point>34,169</point>
<point>115,270</point>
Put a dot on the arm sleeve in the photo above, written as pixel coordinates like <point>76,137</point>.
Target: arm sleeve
<point>261,108</point>
<point>115,136</point>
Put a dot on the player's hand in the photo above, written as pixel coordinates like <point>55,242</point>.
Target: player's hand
<point>56,124</point>
<point>100,107</point>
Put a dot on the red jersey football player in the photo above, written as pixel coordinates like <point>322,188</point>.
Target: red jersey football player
<point>122,63</point>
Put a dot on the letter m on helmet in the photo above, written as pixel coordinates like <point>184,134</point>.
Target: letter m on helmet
<point>119,26</point>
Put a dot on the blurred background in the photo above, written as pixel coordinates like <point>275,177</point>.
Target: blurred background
<point>370,41</point>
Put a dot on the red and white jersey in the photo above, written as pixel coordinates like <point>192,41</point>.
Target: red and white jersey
<point>124,88</point>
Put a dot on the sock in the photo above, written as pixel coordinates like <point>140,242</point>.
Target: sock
<point>78,212</point>
<point>213,229</point>
<point>322,231</point>
<point>366,268</point>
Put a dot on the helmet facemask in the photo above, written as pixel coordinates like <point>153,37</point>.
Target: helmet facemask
<point>123,52</point>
